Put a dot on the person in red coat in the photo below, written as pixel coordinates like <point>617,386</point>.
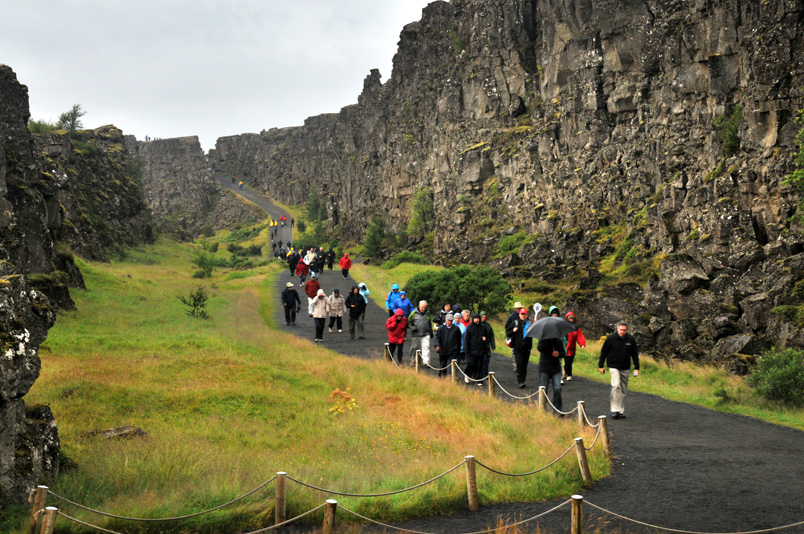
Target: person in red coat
<point>397,326</point>
<point>573,338</point>
<point>346,264</point>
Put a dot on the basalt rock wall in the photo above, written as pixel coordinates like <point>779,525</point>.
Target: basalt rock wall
<point>592,133</point>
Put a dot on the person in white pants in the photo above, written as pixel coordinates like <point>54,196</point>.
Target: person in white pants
<point>619,350</point>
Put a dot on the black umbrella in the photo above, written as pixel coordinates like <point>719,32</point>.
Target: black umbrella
<point>550,328</point>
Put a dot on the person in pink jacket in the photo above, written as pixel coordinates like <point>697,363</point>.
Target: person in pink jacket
<point>397,326</point>
<point>573,339</point>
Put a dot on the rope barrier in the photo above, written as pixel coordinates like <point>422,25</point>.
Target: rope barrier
<point>597,435</point>
<point>566,452</point>
<point>772,529</point>
<point>588,422</point>
<point>342,494</point>
<point>511,395</point>
<point>65,499</point>
<point>468,378</point>
<point>400,529</point>
<point>266,529</point>
<point>437,368</point>
<point>556,409</point>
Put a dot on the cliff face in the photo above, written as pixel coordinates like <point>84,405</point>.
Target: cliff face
<point>598,129</point>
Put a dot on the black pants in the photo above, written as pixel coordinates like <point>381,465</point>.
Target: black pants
<point>290,315</point>
<point>319,327</point>
<point>568,365</point>
<point>473,362</point>
<point>339,320</point>
<point>445,359</point>
<point>521,356</point>
<point>345,272</point>
<point>329,265</point>
<point>400,347</point>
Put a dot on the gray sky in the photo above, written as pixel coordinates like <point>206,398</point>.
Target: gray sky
<point>171,68</point>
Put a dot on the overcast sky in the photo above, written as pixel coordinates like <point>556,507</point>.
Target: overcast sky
<point>172,68</point>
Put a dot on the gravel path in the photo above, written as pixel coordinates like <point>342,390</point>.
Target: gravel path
<point>676,465</point>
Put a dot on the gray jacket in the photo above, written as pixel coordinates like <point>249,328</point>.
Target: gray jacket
<point>420,324</point>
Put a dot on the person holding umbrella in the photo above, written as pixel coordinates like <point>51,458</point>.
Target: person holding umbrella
<point>619,349</point>
<point>516,330</point>
<point>550,331</point>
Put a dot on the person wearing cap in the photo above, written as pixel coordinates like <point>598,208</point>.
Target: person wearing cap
<point>421,333</point>
<point>291,303</point>
<point>521,345</point>
<point>337,307</point>
<point>403,303</point>
<point>447,343</point>
<point>311,288</point>
<point>346,264</point>
<point>491,345</point>
<point>357,309</point>
<point>391,299</point>
<point>320,312</point>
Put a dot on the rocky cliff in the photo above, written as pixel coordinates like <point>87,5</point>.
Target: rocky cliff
<point>637,140</point>
<point>180,190</point>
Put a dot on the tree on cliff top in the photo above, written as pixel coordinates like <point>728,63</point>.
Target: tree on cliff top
<point>71,120</point>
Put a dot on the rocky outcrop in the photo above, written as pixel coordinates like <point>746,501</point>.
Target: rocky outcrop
<point>611,134</point>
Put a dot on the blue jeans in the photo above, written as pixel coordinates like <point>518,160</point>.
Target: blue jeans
<point>545,379</point>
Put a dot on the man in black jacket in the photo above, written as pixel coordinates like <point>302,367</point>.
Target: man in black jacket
<point>447,343</point>
<point>356,306</point>
<point>550,353</point>
<point>474,343</point>
<point>292,304</point>
<point>520,345</point>
<point>619,349</point>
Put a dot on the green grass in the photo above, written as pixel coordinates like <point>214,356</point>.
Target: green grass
<point>228,402</point>
<point>380,279</point>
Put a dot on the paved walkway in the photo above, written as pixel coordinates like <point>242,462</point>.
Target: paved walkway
<point>676,465</point>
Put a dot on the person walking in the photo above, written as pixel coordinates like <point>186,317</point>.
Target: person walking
<point>421,333</point>
<point>330,257</point>
<point>320,312</point>
<point>572,339</point>
<point>520,345</point>
<point>397,326</point>
<point>618,351</point>
<point>491,345</point>
<point>291,303</point>
<point>337,307</point>
<point>346,264</point>
<point>311,288</point>
<point>403,303</point>
<point>475,347</point>
<point>302,270</point>
<point>356,306</point>
<point>447,343</point>
<point>390,300</point>
<point>442,314</point>
<point>364,292</point>
<point>293,261</point>
<point>550,352</point>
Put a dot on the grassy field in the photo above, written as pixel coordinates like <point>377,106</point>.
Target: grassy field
<point>228,402</point>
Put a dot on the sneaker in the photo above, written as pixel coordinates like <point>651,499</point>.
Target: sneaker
<point>622,415</point>
<point>330,330</point>
<point>562,381</point>
<point>340,331</point>
<point>569,379</point>
<point>522,385</point>
<point>615,415</point>
<point>466,379</point>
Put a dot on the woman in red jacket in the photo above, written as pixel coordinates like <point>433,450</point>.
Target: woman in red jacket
<point>346,264</point>
<point>573,338</point>
<point>397,326</point>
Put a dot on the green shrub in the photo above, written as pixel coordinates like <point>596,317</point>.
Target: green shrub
<point>511,243</point>
<point>375,237</point>
<point>41,127</point>
<point>405,256</point>
<point>207,231</point>
<point>196,303</point>
<point>422,210</point>
<point>301,226</point>
<point>475,288</point>
<point>779,376</point>
<point>205,262</point>
<point>728,128</point>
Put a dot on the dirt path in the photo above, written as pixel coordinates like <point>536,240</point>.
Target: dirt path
<point>676,465</point>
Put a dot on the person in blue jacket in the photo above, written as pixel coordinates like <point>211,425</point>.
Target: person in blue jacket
<point>391,299</point>
<point>403,303</point>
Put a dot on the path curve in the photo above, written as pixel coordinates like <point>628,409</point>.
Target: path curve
<point>676,465</point>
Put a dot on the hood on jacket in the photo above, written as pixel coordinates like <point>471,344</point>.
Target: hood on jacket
<point>395,286</point>
<point>570,314</point>
<point>554,309</point>
<point>321,293</point>
<point>399,312</point>
<point>475,316</point>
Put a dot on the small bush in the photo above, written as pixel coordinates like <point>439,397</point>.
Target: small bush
<point>234,248</point>
<point>200,274</point>
<point>301,226</point>
<point>779,376</point>
<point>205,262</point>
<point>196,303</point>
<point>375,237</point>
<point>728,128</point>
<point>511,243</point>
<point>405,256</point>
<point>207,231</point>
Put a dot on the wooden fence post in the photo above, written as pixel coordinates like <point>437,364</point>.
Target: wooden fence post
<point>39,502</point>
<point>50,520</point>
<point>576,525</point>
<point>543,398</point>
<point>491,384</point>
<point>581,414</point>
<point>583,462</point>
<point>603,421</point>
<point>418,358</point>
<point>471,484</point>
<point>454,365</point>
<point>388,352</point>
<point>329,517</point>
<point>280,506</point>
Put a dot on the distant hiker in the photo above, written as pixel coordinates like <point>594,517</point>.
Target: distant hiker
<point>357,308</point>
<point>619,350</point>
<point>421,333</point>
<point>551,351</point>
<point>234,179</point>
<point>403,303</point>
<point>364,292</point>
<point>293,260</point>
<point>291,303</point>
<point>572,339</point>
<point>346,264</point>
<point>491,345</point>
<point>521,346</point>
<point>320,307</point>
<point>475,347</point>
<point>390,300</point>
<point>397,328</point>
<point>447,343</point>
<point>330,257</point>
<point>442,314</point>
<point>320,260</point>
<point>240,185</point>
<point>292,222</point>
<point>337,307</point>
<point>302,270</point>
<point>311,288</point>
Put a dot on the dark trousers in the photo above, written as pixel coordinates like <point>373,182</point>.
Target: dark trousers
<point>472,365</point>
<point>339,320</point>
<point>290,315</point>
<point>444,359</point>
<point>546,379</point>
<point>319,327</point>
<point>345,272</point>
<point>355,322</point>
<point>484,366</point>
<point>329,265</point>
<point>521,357</point>
<point>400,347</point>
<point>568,365</point>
